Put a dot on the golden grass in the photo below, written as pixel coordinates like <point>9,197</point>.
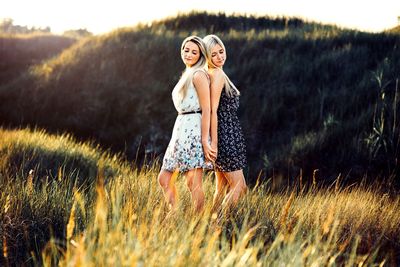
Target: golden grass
<point>127,222</point>
<point>132,226</point>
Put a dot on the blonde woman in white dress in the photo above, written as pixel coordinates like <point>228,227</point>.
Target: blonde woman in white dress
<point>189,150</point>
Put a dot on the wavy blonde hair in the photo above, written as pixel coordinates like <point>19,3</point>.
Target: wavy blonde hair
<point>210,42</point>
<point>187,76</point>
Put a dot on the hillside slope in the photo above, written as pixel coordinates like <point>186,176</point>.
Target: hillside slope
<point>18,53</point>
<point>311,94</point>
<point>395,30</point>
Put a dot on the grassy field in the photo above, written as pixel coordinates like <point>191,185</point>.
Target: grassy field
<point>71,204</point>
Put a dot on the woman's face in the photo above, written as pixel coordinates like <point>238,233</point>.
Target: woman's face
<point>190,53</point>
<point>218,55</point>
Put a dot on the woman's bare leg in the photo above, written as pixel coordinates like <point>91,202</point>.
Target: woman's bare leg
<point>168,186</point>
<point>221,187</point>
<point>195,184</point>
<point>237,187</point>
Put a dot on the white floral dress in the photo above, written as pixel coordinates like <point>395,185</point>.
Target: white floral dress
<point>185,151</point>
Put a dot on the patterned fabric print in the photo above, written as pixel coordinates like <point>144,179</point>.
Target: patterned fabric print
<point>189,103</point>
<point>185,151</point>
<point>231,144</point>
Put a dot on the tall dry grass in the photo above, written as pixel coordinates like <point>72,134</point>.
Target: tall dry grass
<point>39,174</point>
<point>131,226</point>
<point>124,221</point>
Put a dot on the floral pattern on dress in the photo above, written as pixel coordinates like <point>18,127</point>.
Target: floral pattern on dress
<point>231,144</point>
<point>185,150</point>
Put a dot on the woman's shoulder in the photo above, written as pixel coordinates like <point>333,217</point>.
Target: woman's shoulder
<point>217,74</point>
<point>200,74</point>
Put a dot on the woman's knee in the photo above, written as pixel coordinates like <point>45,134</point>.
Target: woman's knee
<point>239,185</point>
<point>237,182</point>
<point>194,185</point>
<point>193,180</point>
<point>243,187</point>
<point>163,179</point>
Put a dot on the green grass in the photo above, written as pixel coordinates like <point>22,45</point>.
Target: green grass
<point>119,217</point>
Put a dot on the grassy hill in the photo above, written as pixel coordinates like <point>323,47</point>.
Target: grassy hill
<point>119,218</point>
<point>395,30</point>
<point>313,96</point>
<point>19,52</point>
<point>39,174</point>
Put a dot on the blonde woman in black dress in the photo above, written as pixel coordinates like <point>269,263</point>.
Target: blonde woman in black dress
<point>226,133</point>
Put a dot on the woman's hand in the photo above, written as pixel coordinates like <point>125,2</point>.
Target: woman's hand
<point>210,153</point>
<point>214,147</point>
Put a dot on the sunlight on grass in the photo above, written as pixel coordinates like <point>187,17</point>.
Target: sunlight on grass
<point>132,226</point>
<point>124,220</point>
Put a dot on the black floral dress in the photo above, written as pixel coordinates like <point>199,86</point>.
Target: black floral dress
<point>231,144</point>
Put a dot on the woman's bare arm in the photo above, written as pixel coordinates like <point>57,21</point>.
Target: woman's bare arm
<point>217,84</point>
<point>201,84</point>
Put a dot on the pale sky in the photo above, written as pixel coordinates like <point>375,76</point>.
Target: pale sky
<point>101,16</point>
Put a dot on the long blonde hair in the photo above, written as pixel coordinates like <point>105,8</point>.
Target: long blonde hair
<point>187,76</point>
<point>210,42</point>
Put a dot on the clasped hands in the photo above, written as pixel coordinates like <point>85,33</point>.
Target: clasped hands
<point>210,152</point>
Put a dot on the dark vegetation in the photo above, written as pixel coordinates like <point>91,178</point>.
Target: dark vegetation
<point>7,26</point>
<point>17,54</point>
<point>313,96</point>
